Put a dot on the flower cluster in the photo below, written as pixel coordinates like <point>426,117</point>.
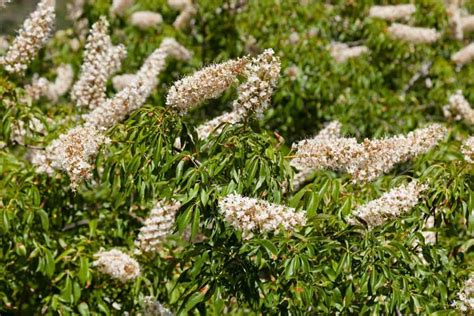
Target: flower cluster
<point>158,225</point>
<point>71,152</point>
<point>392,12</point>
<point>75,14</point>
<point>467,149</point>
<point>301,177</point>
<point>101,60</point>
<point>464,56</point>
<point>466,297</point>
<point>146,19</point>
<point>3,43</point>
<point>31,38</point>
<point>204,130</point>
<point>253,215</point>
<point>253,95</point>
<point>207,83</point>
<point>179,4</point>
<point>119,82</point>
<point>21,131</point>
<point>134,95</point>
<point>455,23</point>
<point>330,132</point>
<point>292,72</point>
<point>188,10</point>
<point>151,307</point>
<point>467,23</point>
<point>458,108</point>
<point>391,204</point>
<point>117,264</point>
<point>369,159</point>
<point>342,52</point>
<point>52,90</point>
<point>428,234</point>
<point>411,34</point>
<point>458,22</point>
<point>120,6</point>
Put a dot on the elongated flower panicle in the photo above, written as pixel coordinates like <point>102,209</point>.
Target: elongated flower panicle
<point>101,60</point>
<point>179,4</point>
<point>367,160</point>
<point>262,74</point>
<point>117,264</point>
<point>175,49</point>
<point>467,149</point>
<point>184,18</point>
<point>151,307</point>
<point>392,204</point>
<point>207,83</point>
<point>392,12</point>
<point>52,90</point>
<point>75,14</point>
<point>63,81</point>
<point>20,130</point>
<point>467,23</point>
<point>326,152</point>
<point>254,94</point>
<point>336,151</point>
<point>134,96</point>
<point>116,109</point>
<point>458,108</point>
<point>331,132</point>
<point>381,155</point>
<point>216,124</point>
<point>38,88</point>
<point>121,81</point>
<point>254,215</point>
<point>188,10</point>
<point>72,153</point>
<point>146,19</point>
<point>465,301</point>
<point>120,6</point>
<point>411,34</point>
<point>455,21</point>
<point>157,227</point>
<point>342,52</point>
<point>464,56</point>
<point>31,38</point>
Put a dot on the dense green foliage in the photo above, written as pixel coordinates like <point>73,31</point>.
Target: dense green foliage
<point>49,233</point>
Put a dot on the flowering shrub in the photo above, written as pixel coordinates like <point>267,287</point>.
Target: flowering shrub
<point>239,157</point>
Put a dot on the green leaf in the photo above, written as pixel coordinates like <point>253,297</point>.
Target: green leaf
<point>83,309</point>
<point>269,247</point>
<point>83,273</point>
<point>5,222</point>
<point>50,265</point>
<point>348,296</point>
<point>66,293</point>
<point>44,218</point>
<point>195,299</point>
<point>204,197</point>
<point>195,224</point>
